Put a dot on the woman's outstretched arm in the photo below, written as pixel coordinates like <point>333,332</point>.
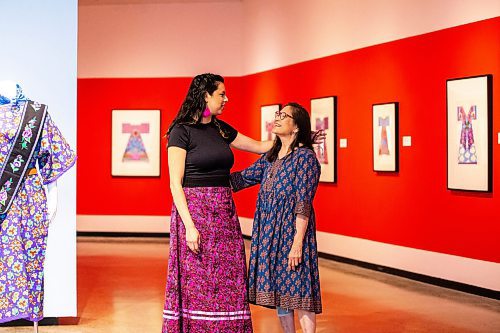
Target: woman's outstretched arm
<point>245,143</point>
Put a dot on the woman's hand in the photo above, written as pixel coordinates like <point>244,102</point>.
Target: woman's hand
<point>295,256</point>
<point>193,239</point>
<point>318,136</point>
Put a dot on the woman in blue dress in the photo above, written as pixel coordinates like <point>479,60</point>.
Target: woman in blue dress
<point>283,269</point>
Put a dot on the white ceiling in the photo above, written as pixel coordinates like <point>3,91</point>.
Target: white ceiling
<point>127,2</point>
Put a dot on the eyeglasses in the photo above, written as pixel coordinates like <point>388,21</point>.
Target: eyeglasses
<point>281,115</point>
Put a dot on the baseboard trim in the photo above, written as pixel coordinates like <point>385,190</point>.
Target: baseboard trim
<point>467,288</point>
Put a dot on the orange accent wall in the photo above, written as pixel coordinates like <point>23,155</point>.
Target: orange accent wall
<point>411,208</point>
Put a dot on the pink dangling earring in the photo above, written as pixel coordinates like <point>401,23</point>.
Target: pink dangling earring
<point>206,113</point>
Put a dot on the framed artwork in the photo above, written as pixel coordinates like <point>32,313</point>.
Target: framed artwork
<point>135,143</point>
<point>267,121</point>
<point>469,133</point>
<point>324,117</point>
<point>385,137</point>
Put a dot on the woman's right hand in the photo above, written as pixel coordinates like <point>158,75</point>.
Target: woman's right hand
<point>193,239</point>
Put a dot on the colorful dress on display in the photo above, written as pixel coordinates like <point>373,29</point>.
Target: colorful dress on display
<point>206,292</point>
<point>383,148</point>
<point>269,130</point>
<point>467,151</point>
<point>28,138</point>
<point>135,150</point>
<point>320,149</point>
<point>288,186</point>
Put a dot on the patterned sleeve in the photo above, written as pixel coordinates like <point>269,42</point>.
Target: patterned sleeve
<point>306,182</point>
<point>250,176</point>
<point>55,156</point>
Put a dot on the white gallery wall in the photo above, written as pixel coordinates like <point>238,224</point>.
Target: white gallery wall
<point>235,38</point>
<point>284,32</point>
<point>38,50</point>
<point>160,40</point>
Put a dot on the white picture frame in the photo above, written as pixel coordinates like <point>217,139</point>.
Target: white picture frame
<point>324,117</point>
<point>267,121</point>
<point>135,143</point>
<point>385,118</point>
<point>469,133</point>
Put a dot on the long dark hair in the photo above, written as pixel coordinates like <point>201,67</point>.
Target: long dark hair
<point>194,104</point>
<point>303,137</point>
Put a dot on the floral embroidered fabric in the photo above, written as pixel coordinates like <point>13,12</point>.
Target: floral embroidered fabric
<point>207,292</point>
<point>24,226</point>
<point>288,187</point>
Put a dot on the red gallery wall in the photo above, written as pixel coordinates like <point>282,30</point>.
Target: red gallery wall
<point>98,193</point>
<point>411,208</point>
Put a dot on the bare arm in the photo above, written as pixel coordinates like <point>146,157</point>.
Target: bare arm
<point>295,256</point>
<point>176,165</point>
<point>245,143</point>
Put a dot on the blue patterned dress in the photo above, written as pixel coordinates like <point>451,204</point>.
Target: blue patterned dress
<point>24,227</point>
<point>288,186</point>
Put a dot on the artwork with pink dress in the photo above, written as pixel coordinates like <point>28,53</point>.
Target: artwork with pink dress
<point>324,118</point>
<point>135,150</point>
<point>385,137</point>
<point>267,121</point>
<point>321,149</point>
<point>383,148</point>
<point>135,143</point>
<point>269,129</point>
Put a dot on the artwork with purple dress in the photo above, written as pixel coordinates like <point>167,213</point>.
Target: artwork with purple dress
<point>469,127</point>
<point>467,150</point>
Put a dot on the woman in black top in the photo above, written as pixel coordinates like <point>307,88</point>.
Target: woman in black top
<point>206,285</point>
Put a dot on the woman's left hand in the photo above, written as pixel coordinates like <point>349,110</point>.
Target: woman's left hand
<point>295,256</point>
<point>318,136</point>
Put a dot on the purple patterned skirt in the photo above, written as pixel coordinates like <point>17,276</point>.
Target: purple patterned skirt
<point>207,292</point>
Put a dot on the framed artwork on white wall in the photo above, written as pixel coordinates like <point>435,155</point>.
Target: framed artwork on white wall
<point>469,133</point>
<point>135,144</point>
<point>324,117</point>
<point>267,121</point>
<point>385,137</point>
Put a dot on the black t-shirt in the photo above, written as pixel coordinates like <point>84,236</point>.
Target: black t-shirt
<point>208,156</point>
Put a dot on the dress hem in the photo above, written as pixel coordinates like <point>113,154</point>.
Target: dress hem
<point>23,316</point>
<point>274,299</point>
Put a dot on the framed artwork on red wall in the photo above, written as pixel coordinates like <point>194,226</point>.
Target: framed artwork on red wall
<point>469,133</point>
<point>385,137</point>
<point>135,143</point>
<point>324,117</point>
<point>267,121</point>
